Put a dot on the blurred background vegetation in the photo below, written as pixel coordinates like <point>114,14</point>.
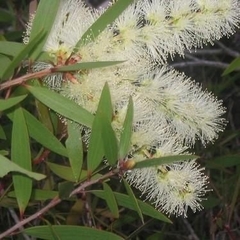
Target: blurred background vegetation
<point>220,219</point>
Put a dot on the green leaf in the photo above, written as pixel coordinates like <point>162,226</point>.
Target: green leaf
<point>11,48</point>
<point>105,107</point>
<point>111,201</point>
<point>5,16</point>
<point>42,195</point>
<point>44,57</point>
<point>133,200</point>
<point>75,149</point>
<point>62,105</point>
<point>42,135</point>
<point>4,63</point>
<point>15,35</point>
<point>63,172</point>
<point>150,162</point>
<point>66,173</point>
<point>10,102</point>
<point>21,155</point>
<point>38,194</point>
<point>65,189</point>
<point>43,21</point>
<point>68,232</point>
<point>235,64</point>
<point>22,55</point>
<point>7,202</point>
<point>96,148</point>
<point>86,65</point>
<point>44,115</point>
<point>125,139</point>
<point>125,201</point>
<point>7,166</point>
<point>2,134</point>
<point>103,21</point>
<point>110,142</point>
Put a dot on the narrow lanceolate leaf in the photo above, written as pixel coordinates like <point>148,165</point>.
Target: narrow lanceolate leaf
<point>86,65</point>
<point>22,55</point>
<point>43,111</point>
<point>65,189</point>
<point>75,149</point>
<point>62,105</point>
<point>111,201</point>
<point>133,200</point>
<point>7,166</point>
<point>4,63</point>
<point>38,194</point>
<point>125,201</point>
<point>234,65</point>
<point>163,160</point>
<point>44,115</point>
<point>42,135</point>
<point>11,48</point>
<point>63,172</point>
<point>110,143</point>
<point>43,21</point>
<point>2,135</point>
<point>96,148</point>
<point>21,155</point>
<point>68,232</point>
<point>105,103</point>
<point>66,173</point>
<point>10,102</point>
<point>103,21</point>
<point>125,139</point>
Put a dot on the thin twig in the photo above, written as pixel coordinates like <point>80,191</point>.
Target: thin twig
<point>16,220</point>
<point>56,201</point>
<point>205,52</point>
<point>19,225</point>
<point>22,79</point>
<point>201,63</point>
<point>192,57</point>
<point>91,182</point>
<point>190,229</point>
<point>227,50</point>
<point>32,7</point>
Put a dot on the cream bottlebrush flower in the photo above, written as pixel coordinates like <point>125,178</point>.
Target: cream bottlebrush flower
<point>148,129</point>
<point>191,112</point>
<point>157,27</point>
<point>174,25</point>
<point>139,177</point>
<point>175,188</point>
<point>170,111</point>
<point>172,188</point>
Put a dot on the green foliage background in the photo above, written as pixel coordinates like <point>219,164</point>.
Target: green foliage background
<point>30,131</point>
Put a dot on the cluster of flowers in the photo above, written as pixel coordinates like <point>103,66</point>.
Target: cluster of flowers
<point>171,111</point>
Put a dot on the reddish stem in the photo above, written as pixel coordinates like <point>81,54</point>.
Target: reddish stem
<point>56,201</point>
